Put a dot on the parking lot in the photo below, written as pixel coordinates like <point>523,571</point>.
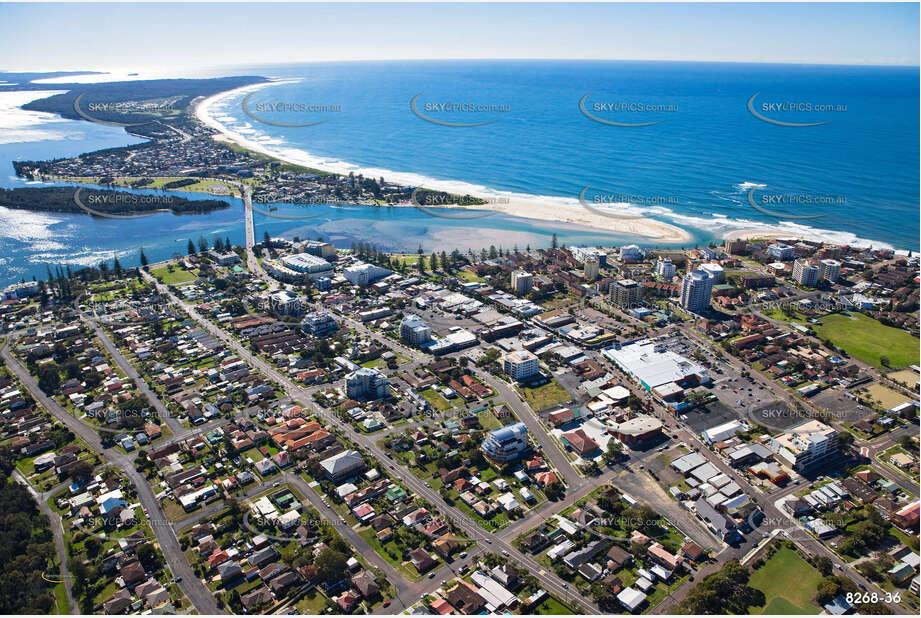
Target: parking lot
<point>711,415</point>
<point>839,408</point>
<point>441,323</point>
<point>775,416</point>
<point>739,393</point>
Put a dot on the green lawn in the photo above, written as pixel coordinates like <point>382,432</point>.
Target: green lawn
<point>551,606</point>
<point>470,277</point>
<point>437,400</point>
<point>488,420</point>
<point>788,582</point>
<point>546,396</point>
<point>867,339</point>
<point>311,603</point>
<point>60,600</point>
<point>179,275</point>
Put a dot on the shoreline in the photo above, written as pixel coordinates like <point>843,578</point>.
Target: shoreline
<point>537,207</point>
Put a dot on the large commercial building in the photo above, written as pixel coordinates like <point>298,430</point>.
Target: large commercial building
<point>458,340</point>
<point>414,330</point>
<point>696,288</point>
<point>318,248</point>
<point>506,443</point>
<point>653,365</point>
<point>297,268</point>
<point>640,429</point>
<point>781,251</point>
<point>521,364</point>
<point>365,274</point>
<point>319,323</point>
<point>522,282</point>
<point>665,268</point>
<point>306,263</point>
<point>586,253</point>
<point>806,446</point>
<point>805,273</point>
<point>626,293</point>
<point>367,383</point>
<point>343,465</point>
<point>631,254</point>
<point>285,302</point>
<point>830,270</point>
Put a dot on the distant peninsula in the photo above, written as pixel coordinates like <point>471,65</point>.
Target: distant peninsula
<point>102,202</point>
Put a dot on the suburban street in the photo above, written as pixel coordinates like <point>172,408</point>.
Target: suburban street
<point>193,588</point>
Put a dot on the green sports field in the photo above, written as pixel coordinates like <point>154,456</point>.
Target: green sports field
<point>867,340</point>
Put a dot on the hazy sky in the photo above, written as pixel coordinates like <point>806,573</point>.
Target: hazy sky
<point>172,36</point>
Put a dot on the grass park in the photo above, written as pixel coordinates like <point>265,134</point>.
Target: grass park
<point>868,340</point>
<point>788,582</point>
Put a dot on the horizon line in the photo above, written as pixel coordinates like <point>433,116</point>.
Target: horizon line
<point>98,70</point>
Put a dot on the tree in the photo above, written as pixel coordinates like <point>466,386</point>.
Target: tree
<point>331,564</point>
<point>724,592</point>
<point>81,471</point>
<point>824,565</point>
<point>191,247</point>
<point>143,258</point>
<point>603,594</point>
<point>828,589</point>
<point>48,378</point>
<point>149,558</point>
<point>554,491</point>
<point>613,452</point>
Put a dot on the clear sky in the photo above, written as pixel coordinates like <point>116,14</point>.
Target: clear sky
<point>141,37</point>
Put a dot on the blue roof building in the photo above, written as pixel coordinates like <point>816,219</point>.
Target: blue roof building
<point>506,443</point>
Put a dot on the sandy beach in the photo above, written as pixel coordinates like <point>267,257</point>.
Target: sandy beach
<point>560,210</point>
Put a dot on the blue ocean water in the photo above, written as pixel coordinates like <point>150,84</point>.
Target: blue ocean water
<point>694,168</point>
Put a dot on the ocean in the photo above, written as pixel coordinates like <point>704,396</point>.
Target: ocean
<point>715,152</point>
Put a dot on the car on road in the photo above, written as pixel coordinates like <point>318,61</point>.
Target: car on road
<point>432,575</point>
<point>386,604</point>
<point>565,585</point>
<point>462,555</point>
<point>505,552</point>
<point>176,580</point>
